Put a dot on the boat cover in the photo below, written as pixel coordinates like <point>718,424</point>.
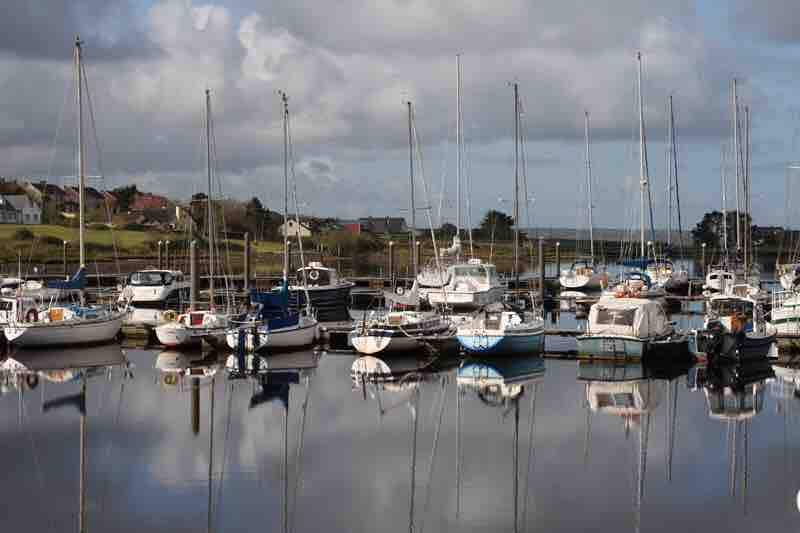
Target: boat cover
<point>274,307</point>
<point>634,317</point>
<point>78,281</point>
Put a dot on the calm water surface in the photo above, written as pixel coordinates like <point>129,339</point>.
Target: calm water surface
<point>547,446</point>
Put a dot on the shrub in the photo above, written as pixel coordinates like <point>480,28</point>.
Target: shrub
<point>24,234</point>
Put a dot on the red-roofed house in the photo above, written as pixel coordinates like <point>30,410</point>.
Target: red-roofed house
<point>146,200</point>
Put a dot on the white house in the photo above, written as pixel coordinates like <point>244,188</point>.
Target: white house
<point>29,211</point>
<point>293,230</point>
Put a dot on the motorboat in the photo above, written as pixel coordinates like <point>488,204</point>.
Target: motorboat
<point>631,328</point>
<point>469,286</point>
<point>583,275</point>
<point>736,328</point>
<point>788,275</point>
<point>635,284</point>
<point>663,274</point>
<point>328,293</point>
<point>785,312</point>
<point>498,379</point>
<point>501,329</point>
<point>148,293</point>
<point>190,329</point>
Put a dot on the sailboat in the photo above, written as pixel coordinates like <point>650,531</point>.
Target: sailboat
<point>740,269</point>
<point>275,323</point>
<point>661,269</point>
<point>637,283</point>
<point>448,280</point>
<point>584,274</point>
<point>67,325</point>
<point>192,328</point>
<point>502,328</point>
<point>408,328</point>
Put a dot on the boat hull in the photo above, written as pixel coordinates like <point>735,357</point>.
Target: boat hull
<point>596,281</point>
<point>330,303</point>
<point>70,333</point>
<point>305,334</point>
<point>609,346</point>
<point>508,344</point>
<point>177,336</point>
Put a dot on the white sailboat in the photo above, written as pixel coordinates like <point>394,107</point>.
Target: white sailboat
<point>68,325</point>
<point>448,280</point>
<point>498,329</point>
<point>192,328</point>
<point>407,329</point>
<point>277,324</point>
<point>584,274</point>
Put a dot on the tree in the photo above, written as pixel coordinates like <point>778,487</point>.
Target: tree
<point>447,230</point>
<point>125,196</point>
<point>710,229</point>
<point>497,225</point>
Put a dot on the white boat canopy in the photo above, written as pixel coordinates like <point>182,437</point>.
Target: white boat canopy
<point>631,317</point>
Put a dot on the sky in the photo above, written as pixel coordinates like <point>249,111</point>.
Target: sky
<point>349,66</point>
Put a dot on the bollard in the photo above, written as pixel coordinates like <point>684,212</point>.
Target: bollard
<point>541,269</point>
<point>194,276</point>
<point>246,274</point>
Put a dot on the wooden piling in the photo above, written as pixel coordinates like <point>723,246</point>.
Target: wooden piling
<point>558,258</point>
<point>246,273</point>
<point>160,256</point>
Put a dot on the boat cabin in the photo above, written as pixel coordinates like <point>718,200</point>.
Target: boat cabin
<point>154,278</point>
<point>317,275</point>
<point>628,317</point>
<point>473,272</point>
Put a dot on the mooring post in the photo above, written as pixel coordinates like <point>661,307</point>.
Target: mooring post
<point>558,258</point>
<point>160,257</point>
<point>541,269</point>
<point>703,259</point>
<point>194,276</point>
<point>390,268</point>
<point>246,274</point>
<point>166,254</point>
<point>66,274</point>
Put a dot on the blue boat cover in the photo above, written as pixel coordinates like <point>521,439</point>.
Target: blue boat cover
<point>76,282</point>
<point>274,311</point>
<point>640,262</point>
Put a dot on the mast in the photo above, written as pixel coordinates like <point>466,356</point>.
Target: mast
<point>81,162</point>
<point>642,155</point>
<point>724,206</point>
<point>411,177</point>
<point>285,100</point>
<point>668,174</point>
<point>748,251</point>
<point>458,151</point>
<point>210,208</point>
<point>82,495</point>
<point>589,183</point>
<point>516,184</point>
<point>736,149</point>
<point>675,173</point>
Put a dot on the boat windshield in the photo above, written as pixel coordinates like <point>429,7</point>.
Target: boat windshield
<point>731,307</point>
<point>470,271</point>
<point>615,317</point>
<point>150,278</point>
<point>618,399</point>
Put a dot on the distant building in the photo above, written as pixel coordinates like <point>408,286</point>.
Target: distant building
<point>19,209</point>
<point>93,199</point>
<point>145,200</point>
<point>293,230</point>
<point>351,226</point>
<point>383,225</point>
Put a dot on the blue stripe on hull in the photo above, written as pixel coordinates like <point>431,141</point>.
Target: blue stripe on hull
<point>503,345</point>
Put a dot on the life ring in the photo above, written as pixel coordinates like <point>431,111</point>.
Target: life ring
<point>400,290</point>
<point>313,275</point>
<point>32,315</point>
<point>169,316</point>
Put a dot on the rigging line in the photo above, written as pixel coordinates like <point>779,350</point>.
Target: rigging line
<point>298,233</point>
<point>442,184</point>
<point>60,120</point>
<point>224,455</point>
<point>100,166</point>
<point>225,266</point>
<point>524,155</point>
<point>467,175</point>
<point>424,188</point>
<point>431,463</point>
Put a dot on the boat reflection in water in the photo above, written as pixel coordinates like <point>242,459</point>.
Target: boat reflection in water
<point>633,393</point>
<point>735,394</point>
<point>66,367</point>
<point>182,371</point>
<point>271,380</point>
<point>502,383</point>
